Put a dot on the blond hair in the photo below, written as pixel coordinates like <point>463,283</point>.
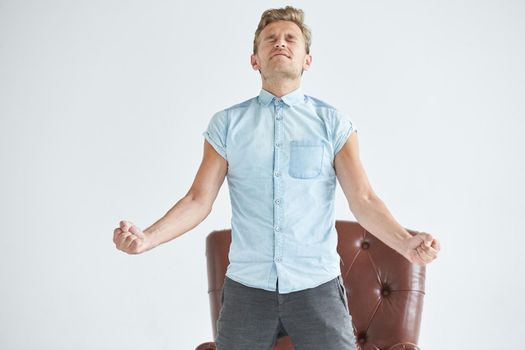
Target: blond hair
<point>287,13</point>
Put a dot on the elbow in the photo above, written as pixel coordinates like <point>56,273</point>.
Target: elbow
<point>203,203</point>
<point>359,204</point>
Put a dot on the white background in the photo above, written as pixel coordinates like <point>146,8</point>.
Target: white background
<point>102,106</point>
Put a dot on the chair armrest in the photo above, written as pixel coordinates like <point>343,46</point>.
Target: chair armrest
<point>206,346</point>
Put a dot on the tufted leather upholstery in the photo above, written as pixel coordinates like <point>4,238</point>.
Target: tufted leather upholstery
<point>385,291</point>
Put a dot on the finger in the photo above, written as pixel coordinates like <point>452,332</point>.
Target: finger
<point>122,238</point>
<point>423,254</point>
<point>430,251</point>
<point>425,251</point>
<point>433,253</point>
<point>424,248</point>
<point>430,256</point>
<point>116,233</point>
<point>129,241</point>
<point>436,245</point>
<point>124,225</point>
<point>419,259</point>
<point>135,246</point>
<point>136,231</point>
<point>428,239</point>
<point>433,250</point>
<point>424,238</point>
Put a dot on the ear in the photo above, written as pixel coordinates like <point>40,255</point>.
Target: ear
<point>307,62</point>
<point>253,62</point>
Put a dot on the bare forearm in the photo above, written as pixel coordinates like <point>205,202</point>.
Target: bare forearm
<point>182,217</point>
<point>374,216</point>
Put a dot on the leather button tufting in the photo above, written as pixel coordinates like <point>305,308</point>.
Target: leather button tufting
<point>365,245</point>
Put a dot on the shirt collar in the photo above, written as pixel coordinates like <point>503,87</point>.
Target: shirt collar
<point>292,98</point>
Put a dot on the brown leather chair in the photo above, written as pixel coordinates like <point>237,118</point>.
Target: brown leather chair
<point>385,291</point>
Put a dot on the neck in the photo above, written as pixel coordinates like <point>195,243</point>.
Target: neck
<point>282,87</point>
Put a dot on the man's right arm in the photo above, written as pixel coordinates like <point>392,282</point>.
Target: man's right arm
<point>187,213</point>
<point>196,205</point>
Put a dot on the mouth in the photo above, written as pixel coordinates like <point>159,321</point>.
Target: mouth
<point>281,54</point>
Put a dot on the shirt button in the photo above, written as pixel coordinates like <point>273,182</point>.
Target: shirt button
<point>277,201</point>
<point>279,117</point>
<point>277,173</point>
<point>278,144</point>
<point>277,228</point>
<point>278,259</point>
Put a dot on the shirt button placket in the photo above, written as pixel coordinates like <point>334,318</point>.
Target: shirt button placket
<point>277,183</point>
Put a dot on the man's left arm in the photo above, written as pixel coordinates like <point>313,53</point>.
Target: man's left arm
<point>371,213</point>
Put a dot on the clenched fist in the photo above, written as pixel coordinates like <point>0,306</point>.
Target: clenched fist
<point>422,248</point>
<point>130,239</point>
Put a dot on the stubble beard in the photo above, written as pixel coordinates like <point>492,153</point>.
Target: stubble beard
<point>282,74</point>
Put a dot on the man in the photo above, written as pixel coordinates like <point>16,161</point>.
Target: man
<point>282,152</point>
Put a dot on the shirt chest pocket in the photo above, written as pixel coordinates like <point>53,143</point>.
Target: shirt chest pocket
<point>306,159</point>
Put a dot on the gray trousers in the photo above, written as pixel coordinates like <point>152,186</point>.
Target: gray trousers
<point>314,318</point>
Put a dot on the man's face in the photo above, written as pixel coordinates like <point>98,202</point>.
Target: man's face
<point>281,51</point>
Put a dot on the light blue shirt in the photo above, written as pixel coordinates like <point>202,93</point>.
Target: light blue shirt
<point>281,178</point>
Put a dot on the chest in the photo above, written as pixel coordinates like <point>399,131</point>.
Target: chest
<point>295,143</point>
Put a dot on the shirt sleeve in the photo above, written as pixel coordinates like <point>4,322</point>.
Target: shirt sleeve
<point>215,133</point>
<point>342,127</point>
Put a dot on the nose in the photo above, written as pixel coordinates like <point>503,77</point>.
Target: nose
<point>280,43</point>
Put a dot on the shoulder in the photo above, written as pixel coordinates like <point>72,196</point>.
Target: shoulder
<point>326,109</point>
<point>318,103</point>
<point>234,109</point>
<point>241,105</point>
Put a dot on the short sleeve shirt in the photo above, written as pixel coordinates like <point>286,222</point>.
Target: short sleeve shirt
<point>281,179</point>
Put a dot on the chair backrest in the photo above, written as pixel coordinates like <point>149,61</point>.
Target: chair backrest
<point>385,291</point>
